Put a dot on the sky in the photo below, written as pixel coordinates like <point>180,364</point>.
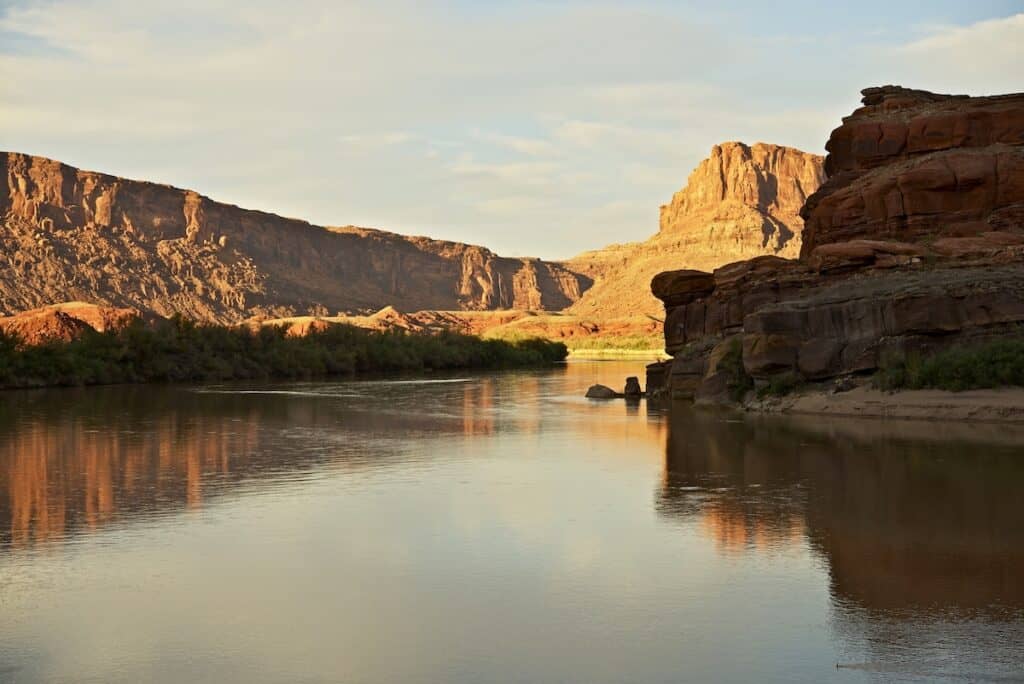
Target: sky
<point>534,128</point>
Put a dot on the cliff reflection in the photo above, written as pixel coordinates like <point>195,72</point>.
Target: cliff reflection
<point>71,460</point>
<point>907,515</point>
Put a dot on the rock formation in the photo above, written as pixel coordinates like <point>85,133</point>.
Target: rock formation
<point>741,202</point>
<point>73,234</point>
<point>915,242</point>
<point>65,322</point>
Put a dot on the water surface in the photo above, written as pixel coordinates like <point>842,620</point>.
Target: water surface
<point>497,528</point>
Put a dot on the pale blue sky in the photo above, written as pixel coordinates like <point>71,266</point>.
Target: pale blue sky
<point>541,128</point>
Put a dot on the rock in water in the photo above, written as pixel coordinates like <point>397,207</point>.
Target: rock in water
<point>632,387</point>
<point>602,392</point>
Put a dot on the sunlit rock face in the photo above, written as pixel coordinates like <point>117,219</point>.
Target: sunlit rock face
<point>915,166</point>
<point>741,202</point>
<point>914,243</point>
<point>65,322</point>
<point>69,234</point>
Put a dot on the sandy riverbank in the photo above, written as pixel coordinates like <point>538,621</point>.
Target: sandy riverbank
<point>991,406</point>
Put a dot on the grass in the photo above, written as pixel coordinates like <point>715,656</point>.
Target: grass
<point>998,363</point>
<point>617,343</point>
<point>596,343</point>
<point>181,350</point>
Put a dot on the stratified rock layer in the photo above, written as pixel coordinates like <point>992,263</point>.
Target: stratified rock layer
<point>73,234</point>
<point>914,243</point>
<point>914,166</point>
<point>742,201</point>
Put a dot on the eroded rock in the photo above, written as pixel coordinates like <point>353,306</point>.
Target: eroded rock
<point>914,243</point>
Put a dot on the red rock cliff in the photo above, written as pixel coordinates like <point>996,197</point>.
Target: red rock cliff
<point>742,201</point>
<point>916,166</point>
<point>915,243</point>
<point>73,234</point>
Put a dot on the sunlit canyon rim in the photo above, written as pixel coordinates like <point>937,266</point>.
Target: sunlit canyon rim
<point>73,235</point>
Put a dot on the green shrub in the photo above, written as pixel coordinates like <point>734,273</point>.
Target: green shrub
<point>997,363</point>
<point>182,350</point>
<point>780,386</point>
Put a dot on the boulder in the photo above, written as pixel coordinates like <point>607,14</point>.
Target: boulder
<point>632,388</point>
<point>602,392</point>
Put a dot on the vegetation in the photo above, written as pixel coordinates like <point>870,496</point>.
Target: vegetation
<point>653,343</point>
<point>739,383</point>
<point>617,343</point>
<point>180,350</point>
<point>780,385</point>
<point>997,363</point>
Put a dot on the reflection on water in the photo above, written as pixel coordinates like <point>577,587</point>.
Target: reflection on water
<point>908,515</point>
<point>497,528</point>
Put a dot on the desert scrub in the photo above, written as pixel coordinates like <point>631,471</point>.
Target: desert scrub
<point>997,363</point>
<point>181,350</point>
<point>780,386</point>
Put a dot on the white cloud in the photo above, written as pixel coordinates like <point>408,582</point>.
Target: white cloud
<point>373,140</point>
<point>535,129</point>
<point>983,58</point>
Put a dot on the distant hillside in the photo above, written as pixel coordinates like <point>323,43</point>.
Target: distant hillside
<point>69,234</point>
<point>741,202</point>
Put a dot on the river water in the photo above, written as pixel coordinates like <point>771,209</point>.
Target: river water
<point>497,528</point>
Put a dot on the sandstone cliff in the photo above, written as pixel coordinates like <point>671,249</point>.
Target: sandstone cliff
<point>741,202</point>
<point>915,243</point>
<point>72,234</point>
<point>915,166</point>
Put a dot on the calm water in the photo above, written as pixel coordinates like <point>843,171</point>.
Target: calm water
<point>497,528</point>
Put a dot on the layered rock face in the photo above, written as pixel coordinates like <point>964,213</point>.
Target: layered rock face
<point>915,242</point>
<point>744,201</point>
<point>741,202</point>
<point>914,166</point>
<point>73,234</point>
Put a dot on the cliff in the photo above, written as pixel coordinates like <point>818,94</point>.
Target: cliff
<point>913,244</point>
<point>69,234</point>
<point>741,202</point>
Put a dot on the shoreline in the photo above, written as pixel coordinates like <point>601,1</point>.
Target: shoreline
<point>651,354</point>
<point>1002,405</point>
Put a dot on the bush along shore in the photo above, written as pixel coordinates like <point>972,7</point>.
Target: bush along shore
<point>986,365</point>
<point>179,350</point>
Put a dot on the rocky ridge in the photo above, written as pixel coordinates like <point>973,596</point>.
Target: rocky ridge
<point>73,234</point>
<point>67,234</point>
<point>914,243</point>
<point>742,201</point>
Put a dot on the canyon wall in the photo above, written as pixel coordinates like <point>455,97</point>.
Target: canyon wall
<point>915,242</point>
<point>69,234</point>
<point>740,202</point>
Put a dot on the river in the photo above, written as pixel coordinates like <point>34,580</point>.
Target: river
<point>497,528</point>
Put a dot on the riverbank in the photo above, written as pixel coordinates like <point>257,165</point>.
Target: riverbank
<point>179,350</point>
<point>1003,405</point>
